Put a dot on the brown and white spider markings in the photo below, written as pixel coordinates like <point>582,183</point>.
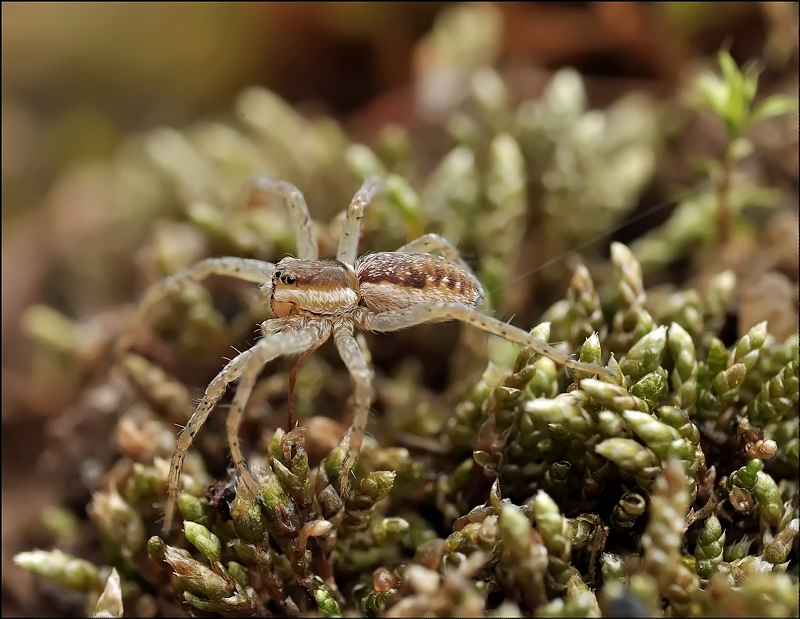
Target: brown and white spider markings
<point>313,299</point>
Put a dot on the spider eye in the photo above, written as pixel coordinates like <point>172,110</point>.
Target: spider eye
<point>288,279</point>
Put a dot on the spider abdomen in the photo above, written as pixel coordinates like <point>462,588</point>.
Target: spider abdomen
<point>393,280</point>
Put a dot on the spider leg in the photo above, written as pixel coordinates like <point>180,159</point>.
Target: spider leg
<point>362,375</point>
<point>426,312</point>
<point>319,332</point>
<point>247,269</point>
<point>305,235</point>
<point>245,367</point>
<point>351,231</point>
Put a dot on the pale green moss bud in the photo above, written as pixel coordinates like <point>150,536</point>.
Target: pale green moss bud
<point>252,555</point>
<point>661,438</point>
<point>192,508</point>
<point>663,538</point>
<point>166,393</point>
<point>777,550</point>
<point>729,379</point>
<point>613,568</point>
<point>291,482</point>
<point>279,508</point>
<point>684,376</point>
<point>248,519</point>
<point>505,182</point>
<point>140,484</point>
<point>552,525</point>
<point>203,539</point>
<point>389,531</point>
<point>768,497</point>
<point>233,604</point>
<point>651,388</point>
<point>515,530</point>
<point>629,275</point>
<point>710,544</point>
<point>156,547</point>
<point>747,476</point>
<point>628,455</point>
<point>377,485</point>
<point>717,358</point>
<point>403,197</point>
<point>749,346</point>
<point>611,425</point>
<point>611,395</point>
<point>110,602</point>
<point>776,397</point>
<point>563,409</point>
<point>62,568</point>
<point>590,353</point>
<point>395,143</point>
<point>239,574</point>
<point>325,598</point>
<point>679,419</point>
<point>60,522</point>
<point>719,295</point>
<point>118,519</point>
<point>334,462</point>
<point>196,577</point>
<point>363,162</point>
<point>490,94</point>
<point>646,354</point>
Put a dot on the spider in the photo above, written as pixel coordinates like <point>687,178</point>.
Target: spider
<point>315,299</point>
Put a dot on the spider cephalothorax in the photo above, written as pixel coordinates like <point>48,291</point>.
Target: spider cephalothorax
<point>312,288</point>
<point>315,299</point>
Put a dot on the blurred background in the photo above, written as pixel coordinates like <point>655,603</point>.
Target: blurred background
<point>79,79</point>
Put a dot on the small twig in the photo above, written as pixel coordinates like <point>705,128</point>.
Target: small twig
<point>704,512</point>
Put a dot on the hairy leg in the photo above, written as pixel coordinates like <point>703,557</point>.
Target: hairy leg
<point>256,271</point>
<point>305,235</point>
<point>419,314</point>
<point>351,231</point>
<point>319,332</point>
<point>245,366</point>
<point>362,375</point>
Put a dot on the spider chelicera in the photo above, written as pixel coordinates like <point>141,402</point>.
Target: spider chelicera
<point>315,299</point>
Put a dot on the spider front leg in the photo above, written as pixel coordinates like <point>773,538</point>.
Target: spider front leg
<point>351,231</point>
<point>305,235</point>
<point>245,367</point>
<point>426,312</point>
<point>247,269</point>
<point>362,375</point>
